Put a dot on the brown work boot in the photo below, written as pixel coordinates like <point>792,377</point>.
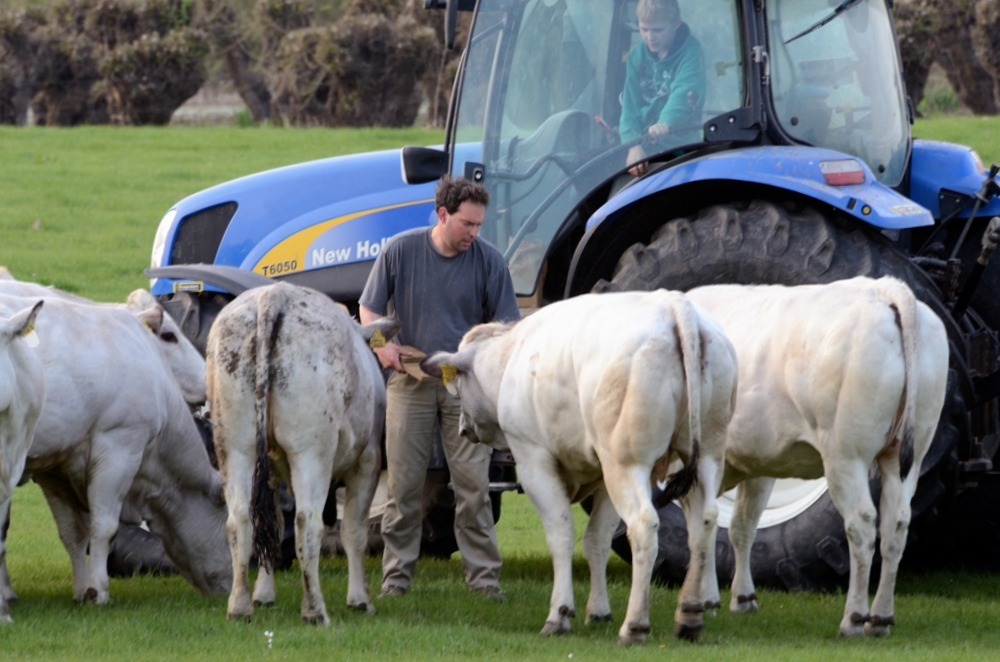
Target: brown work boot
<point>492,593</point>
<point>392,591</point>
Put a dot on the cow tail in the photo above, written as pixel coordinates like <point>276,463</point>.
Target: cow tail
<point>904,305</point>
<point>689,342</point>
<point>263,513</point>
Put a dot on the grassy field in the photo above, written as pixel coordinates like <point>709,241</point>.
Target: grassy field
<point>78,208</point>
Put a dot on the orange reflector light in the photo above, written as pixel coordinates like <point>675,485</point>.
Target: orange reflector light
<point>842,173</point>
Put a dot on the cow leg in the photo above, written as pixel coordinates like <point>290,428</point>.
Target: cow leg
<point>751,498</point>
<point>310,483</point>
<point>597,548</point>
<point>540,480</point>
<point>895,523</point>
<point>73,528</point>
<point>702,514</point>
<point>630,492</point>
<point>848,484</point>
<point>6,592</point>
<point>359,490</point>
<point>109,478</point>
<point>237,472</point>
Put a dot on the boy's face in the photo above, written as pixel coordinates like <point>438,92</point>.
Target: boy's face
<point>658,34</point>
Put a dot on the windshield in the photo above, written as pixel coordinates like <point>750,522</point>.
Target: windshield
<point>835,80</point>
<point>543,90</point>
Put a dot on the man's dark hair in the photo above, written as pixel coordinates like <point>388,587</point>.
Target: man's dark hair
<point>451,193</point>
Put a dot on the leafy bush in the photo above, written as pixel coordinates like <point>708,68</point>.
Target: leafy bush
<point>363,71</point>
<point>95,61</point>
<point>146,80</point>
<point>65,74</point>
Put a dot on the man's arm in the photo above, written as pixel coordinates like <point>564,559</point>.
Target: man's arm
<point>389,354</point>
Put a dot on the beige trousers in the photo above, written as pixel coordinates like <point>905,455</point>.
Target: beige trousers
<point>412,408</point>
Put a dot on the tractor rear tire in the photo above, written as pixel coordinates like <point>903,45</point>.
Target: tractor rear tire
<point>762,242</point>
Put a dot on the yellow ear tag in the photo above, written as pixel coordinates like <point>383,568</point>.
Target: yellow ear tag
<point>377,340</point>
<point>148,327</point>
<point>448,373</point>
<point>29,335</point>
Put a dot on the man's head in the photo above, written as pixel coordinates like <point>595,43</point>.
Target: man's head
<point>658,23</point>
<point>461,210</point>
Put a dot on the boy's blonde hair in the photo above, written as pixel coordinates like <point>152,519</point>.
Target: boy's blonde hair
<point>649,11</point>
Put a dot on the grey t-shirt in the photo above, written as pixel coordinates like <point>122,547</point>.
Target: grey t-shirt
<point>437,299</point>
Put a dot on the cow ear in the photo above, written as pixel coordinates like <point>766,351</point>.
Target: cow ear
<point>152,318</point>
<point>447,367</point>
<point>378,332</point>
<point>22,323</point>
<point>141,300</point>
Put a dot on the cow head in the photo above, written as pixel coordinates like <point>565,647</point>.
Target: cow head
<point>185,362</point>
<point>479,421</point>
<point>181,497</point>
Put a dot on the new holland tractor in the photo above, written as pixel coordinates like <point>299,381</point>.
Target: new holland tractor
<point>800,168</point>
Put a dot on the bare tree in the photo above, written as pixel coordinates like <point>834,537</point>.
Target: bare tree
<point>18,70</point>
<point>917,27</point>
<point>231,42</point>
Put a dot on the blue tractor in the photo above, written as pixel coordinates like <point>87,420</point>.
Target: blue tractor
<point>799,168</point>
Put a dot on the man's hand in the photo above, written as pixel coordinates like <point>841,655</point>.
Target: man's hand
<point>389,355</point>
<point>637,155</point>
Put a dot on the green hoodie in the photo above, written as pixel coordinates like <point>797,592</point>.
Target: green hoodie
<point>668,91</point>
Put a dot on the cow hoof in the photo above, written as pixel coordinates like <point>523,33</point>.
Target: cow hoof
<point>239,617</point>
<point>599,618</point>
<point>688,631</point>
<point>712,606</point>
<point>258,603</point>
<point>555,627</point>
<point>90,595</point>
<point>316,619</point>
<point>362,607</point>
<point>635,635</point>
<point>5,618</point>
<point>744,606</point>
<point>852,631</point>
<point>878,626</point>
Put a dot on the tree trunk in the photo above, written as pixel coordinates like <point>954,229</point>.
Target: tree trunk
<point>249,84</point>
<point>956,54</point>
<point>986,38</point>
<point>916,29</point>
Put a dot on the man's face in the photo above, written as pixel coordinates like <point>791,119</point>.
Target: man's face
<point>458,230</point>
<point>658,34</point>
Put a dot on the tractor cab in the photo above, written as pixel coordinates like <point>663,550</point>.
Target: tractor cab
<point>541,90</point>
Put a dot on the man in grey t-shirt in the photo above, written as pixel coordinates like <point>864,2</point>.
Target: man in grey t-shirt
<point>439,282</point>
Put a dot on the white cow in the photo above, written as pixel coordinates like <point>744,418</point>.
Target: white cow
<point>293,383</point>
<point>22,391</point>
<point>116,429</point>
<point>184,361</point>
<point>833,378</point>
<point>597,395</point>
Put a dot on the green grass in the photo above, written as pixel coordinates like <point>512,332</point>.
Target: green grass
<point>97,194</point>
<point>941,616</point>
<point>982,133</point>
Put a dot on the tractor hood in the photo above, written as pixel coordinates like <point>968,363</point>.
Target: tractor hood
<point>313,215</point>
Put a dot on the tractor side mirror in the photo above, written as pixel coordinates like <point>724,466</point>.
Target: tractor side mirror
<point>423,164</point>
